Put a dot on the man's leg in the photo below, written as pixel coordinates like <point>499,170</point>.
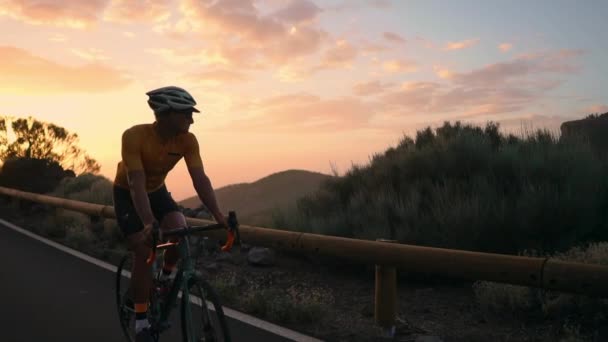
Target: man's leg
<point>141,277</point>
<point>172,220</point>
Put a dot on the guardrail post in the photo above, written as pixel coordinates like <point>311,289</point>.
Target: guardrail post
<point>386,296</point>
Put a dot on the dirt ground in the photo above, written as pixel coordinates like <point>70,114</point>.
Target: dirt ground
<point>428,309</point>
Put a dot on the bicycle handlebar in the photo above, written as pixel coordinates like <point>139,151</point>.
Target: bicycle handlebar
<point>233,232</point>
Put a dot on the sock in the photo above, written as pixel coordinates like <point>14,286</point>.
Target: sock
<point>141,317</point>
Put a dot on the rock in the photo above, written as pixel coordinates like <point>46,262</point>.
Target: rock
<point>224,256</point>
<point>261,256</point>
<point>428,338</point>
<point>203,215</point>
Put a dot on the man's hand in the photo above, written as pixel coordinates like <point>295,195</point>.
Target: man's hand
<point>221,219</point>
<point>148,232</point>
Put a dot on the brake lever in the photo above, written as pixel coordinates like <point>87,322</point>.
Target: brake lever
<point>233,229</point>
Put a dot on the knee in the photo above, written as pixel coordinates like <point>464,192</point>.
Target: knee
<point>141,251</point>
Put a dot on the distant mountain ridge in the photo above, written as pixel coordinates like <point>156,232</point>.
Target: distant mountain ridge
<point>254,202</point>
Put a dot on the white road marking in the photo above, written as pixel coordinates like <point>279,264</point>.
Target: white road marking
<point>253,321</point>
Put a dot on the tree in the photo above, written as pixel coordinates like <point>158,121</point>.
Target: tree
<point>35,139</point>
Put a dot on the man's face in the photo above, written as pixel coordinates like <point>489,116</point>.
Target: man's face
<point>181,120</point>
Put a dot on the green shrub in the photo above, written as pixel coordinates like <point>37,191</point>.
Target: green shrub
<point>87,187</point>
<point>466,187</point>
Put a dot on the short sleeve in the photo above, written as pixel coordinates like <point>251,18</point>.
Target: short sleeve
<point>131,151</point>
<point>192,155</point>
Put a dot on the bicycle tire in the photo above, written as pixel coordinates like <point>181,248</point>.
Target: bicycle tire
<point>213,322</point>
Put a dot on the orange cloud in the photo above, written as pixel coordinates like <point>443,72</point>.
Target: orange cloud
<point>74,14</point>
<point>217,76</point>
<point>128,11</point>
<point>597,109</point>
<point>299,111</point>
<point>59,38</point>
<point>393,37</point>
<point>442,72</point>
<point>90,54</point>
<point>504,47</point>
<point>399,66</point>
<point>21,71</point>
<point>461,44</point>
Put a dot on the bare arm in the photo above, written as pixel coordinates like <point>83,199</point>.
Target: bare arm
<point>205,192</point>
<point>137,185</point>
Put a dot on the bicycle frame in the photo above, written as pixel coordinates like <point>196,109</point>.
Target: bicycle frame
<point>185,272</point>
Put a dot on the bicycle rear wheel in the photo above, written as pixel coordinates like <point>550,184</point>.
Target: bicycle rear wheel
<point>200,322</point>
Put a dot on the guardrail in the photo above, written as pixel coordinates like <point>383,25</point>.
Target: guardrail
<point>545,273</point>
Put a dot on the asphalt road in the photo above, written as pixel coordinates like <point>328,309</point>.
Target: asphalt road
<point>49,295</point>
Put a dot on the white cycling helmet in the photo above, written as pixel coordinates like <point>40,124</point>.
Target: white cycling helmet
<point>170,98</point>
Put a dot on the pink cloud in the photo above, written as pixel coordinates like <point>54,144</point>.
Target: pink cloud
<point>412,97</point>
<point>370,88</point>
<point>128,11</point>
<point>393,37</point>
<point>340,55</point>
<point>74,14</point>
<point>371,47</point>
<point>278,37</point>
<point>498,88</point>
<point>22,71</point>
<point>519,68</point>
<point>298,11</point>
<point>461,44</point>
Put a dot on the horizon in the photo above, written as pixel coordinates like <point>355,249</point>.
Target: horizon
<point>320,85</point>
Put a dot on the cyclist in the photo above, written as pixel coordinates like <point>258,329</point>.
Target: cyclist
<point>141,199</point>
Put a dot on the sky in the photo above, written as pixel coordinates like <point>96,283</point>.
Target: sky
<point>300,84</point>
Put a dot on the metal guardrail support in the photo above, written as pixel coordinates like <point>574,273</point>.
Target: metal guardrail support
<point>385,307</point>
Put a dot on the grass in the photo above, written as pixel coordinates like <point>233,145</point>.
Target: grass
<point>584,313</point>
<point>293,305</point>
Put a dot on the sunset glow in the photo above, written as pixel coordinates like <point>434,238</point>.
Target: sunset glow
<point>299,84</point>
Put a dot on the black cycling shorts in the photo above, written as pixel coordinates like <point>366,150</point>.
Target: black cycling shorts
<point>129,222</point>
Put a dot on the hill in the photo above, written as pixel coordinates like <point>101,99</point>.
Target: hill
<point>254,202</point>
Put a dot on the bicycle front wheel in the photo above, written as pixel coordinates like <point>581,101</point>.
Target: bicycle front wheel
<point>202,315</point>
<point>126,312</point>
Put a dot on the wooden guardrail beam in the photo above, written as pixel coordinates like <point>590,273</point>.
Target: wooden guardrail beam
<point>589,279</point>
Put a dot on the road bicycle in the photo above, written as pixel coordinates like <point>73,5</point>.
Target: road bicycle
<point>202,320</point>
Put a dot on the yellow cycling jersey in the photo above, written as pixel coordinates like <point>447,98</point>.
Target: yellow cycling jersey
<point>142,149</point>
